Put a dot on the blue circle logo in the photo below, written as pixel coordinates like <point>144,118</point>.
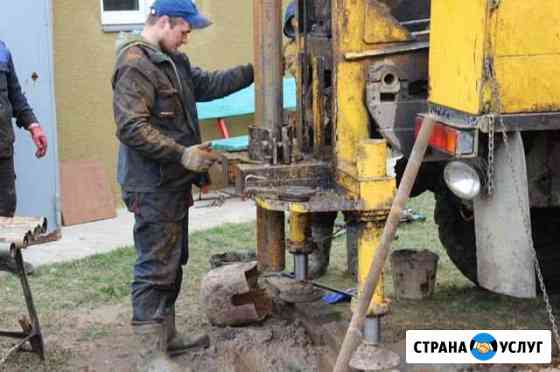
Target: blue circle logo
<point>483,346</point>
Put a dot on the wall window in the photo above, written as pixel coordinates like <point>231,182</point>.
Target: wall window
<point>124,12</point>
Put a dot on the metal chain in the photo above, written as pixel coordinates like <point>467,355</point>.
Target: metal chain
<point>489,71</point>
<point>527,226</point>
<point>490,165</point>
<point>496,111</point>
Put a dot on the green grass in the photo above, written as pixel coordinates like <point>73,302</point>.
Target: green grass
<point>88,282</point>
<point>105,279</point>
<point>417,235</point>
<point>96,281</point>
<point>456,303</point>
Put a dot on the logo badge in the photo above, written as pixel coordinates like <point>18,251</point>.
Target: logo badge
<point>478,346</point>
<point>483,346</point>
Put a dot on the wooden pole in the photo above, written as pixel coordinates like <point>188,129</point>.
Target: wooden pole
<point>354,334</point>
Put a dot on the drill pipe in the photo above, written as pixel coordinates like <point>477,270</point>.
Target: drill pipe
<point>268,65</point>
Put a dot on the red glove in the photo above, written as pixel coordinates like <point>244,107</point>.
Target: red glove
<point>39,139</point>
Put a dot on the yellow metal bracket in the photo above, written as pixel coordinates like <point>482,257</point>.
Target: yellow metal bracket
<point>381,26</point>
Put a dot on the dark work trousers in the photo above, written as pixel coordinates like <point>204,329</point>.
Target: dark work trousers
<point>7,187</point>
<point>7,204</point>
<point>161,242</point>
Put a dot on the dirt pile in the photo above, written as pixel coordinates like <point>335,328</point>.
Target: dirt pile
<point>276,345</point>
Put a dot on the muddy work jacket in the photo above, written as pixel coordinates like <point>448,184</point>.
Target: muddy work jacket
<point>154,103</point>
<point>12,104</point>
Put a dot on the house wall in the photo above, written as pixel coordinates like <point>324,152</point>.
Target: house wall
<point>84,58</point>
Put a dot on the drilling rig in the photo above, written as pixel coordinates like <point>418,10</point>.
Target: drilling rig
<point>369,71</point>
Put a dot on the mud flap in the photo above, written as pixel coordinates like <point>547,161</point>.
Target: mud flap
<point>503,248</point>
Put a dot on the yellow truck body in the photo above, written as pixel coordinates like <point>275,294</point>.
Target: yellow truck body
<point>518,40</point>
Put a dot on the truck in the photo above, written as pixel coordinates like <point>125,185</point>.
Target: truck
<point>369,73</point>
<point>492,89</point>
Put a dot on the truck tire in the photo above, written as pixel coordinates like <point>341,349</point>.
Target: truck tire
<point>457,235</point>
<point>429,178</point>
<point>546,237</point>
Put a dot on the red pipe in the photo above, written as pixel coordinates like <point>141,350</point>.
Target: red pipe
<point>222,128</point>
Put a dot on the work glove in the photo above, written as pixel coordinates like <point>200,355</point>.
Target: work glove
<point>199,158</point>
<point>39,139</point>
<point>203,182</point>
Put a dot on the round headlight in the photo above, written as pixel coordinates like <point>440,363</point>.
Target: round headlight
<point>462,179</point>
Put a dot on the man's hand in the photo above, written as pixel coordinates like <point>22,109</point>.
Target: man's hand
<point>199,158</point>
<point>39,139</point>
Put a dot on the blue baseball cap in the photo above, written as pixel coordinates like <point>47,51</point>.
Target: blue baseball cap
<point>185,9</point>
<point>290,13</point>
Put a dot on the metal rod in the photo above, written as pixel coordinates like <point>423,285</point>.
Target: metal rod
<point>372,330</point>
<point>36,339</point>
<point>392,49</point>
<point>354,334</point>
<point>300,266</point>
<point>271,240</point>
<point>420,33</point>
<point>330,289</point>
<point>415,22</point>
<point>268,65</point>
<point>318,285</point>
<point>14,348</point>
<point>303,70</point>
<point>13,334</point>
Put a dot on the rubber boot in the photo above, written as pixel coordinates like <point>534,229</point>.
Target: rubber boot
<point>152,343</point>
<point>178,344</point>
<point>322,225</point>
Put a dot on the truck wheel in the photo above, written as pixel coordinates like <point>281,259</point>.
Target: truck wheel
<point>546,237</point>
<point>456,233</point>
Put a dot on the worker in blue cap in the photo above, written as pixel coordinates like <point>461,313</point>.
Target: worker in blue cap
<point>155,90</point>
<point>290,51</point>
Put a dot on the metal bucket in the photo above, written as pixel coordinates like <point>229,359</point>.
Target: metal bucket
<point>414,273</point>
